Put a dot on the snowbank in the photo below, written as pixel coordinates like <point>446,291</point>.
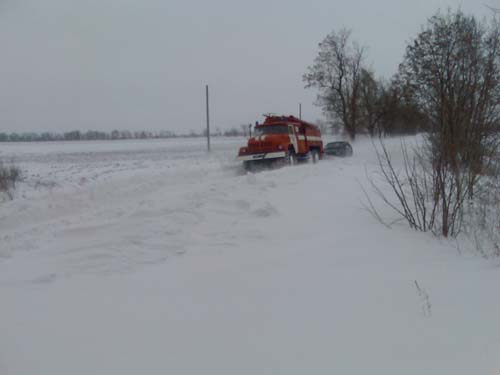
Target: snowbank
<point>152,257</point>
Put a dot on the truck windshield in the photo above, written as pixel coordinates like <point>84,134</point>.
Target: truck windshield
<point>270,129</point>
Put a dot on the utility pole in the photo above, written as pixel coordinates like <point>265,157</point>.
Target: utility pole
<point>208,121</point>
<point>300,111</point>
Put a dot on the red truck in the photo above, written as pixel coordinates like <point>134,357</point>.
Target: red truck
<point>284,140</point>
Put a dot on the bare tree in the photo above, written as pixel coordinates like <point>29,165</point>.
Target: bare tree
<point>493,9</point>
<point>337,72</point>
<point>371,99</point>
<point>453,69</point>
<point>398,111</point>
<point>451,72</point>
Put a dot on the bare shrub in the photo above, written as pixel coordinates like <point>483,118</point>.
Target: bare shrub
<point>482,216</point>
<point>428,195</point>
<point>9,176</point>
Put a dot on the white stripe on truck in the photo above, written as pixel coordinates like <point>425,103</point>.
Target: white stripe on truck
<point>309,138</point>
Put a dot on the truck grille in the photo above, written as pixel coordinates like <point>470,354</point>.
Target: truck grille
<point>262,146</point>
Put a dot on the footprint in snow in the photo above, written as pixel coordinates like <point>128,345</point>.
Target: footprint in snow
<point>266,211</point>
<point>45,279</point>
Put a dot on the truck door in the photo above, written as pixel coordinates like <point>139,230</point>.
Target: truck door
<point>293,137</point>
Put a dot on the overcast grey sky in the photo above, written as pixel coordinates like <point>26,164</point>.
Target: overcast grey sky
<point>143,64</point>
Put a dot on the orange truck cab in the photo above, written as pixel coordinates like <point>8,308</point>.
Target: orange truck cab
<point>284,139</point>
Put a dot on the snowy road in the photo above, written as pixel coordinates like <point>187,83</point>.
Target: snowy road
<point>149,257</point>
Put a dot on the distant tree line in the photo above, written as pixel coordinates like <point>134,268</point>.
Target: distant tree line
<point>92,135</point>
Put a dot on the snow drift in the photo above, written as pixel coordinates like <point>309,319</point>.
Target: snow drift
<point>148,257</point>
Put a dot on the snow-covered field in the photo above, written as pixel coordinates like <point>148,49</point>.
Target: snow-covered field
<point>152,257</point>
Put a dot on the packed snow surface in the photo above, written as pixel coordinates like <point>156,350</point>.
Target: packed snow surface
<point>154,257</point>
